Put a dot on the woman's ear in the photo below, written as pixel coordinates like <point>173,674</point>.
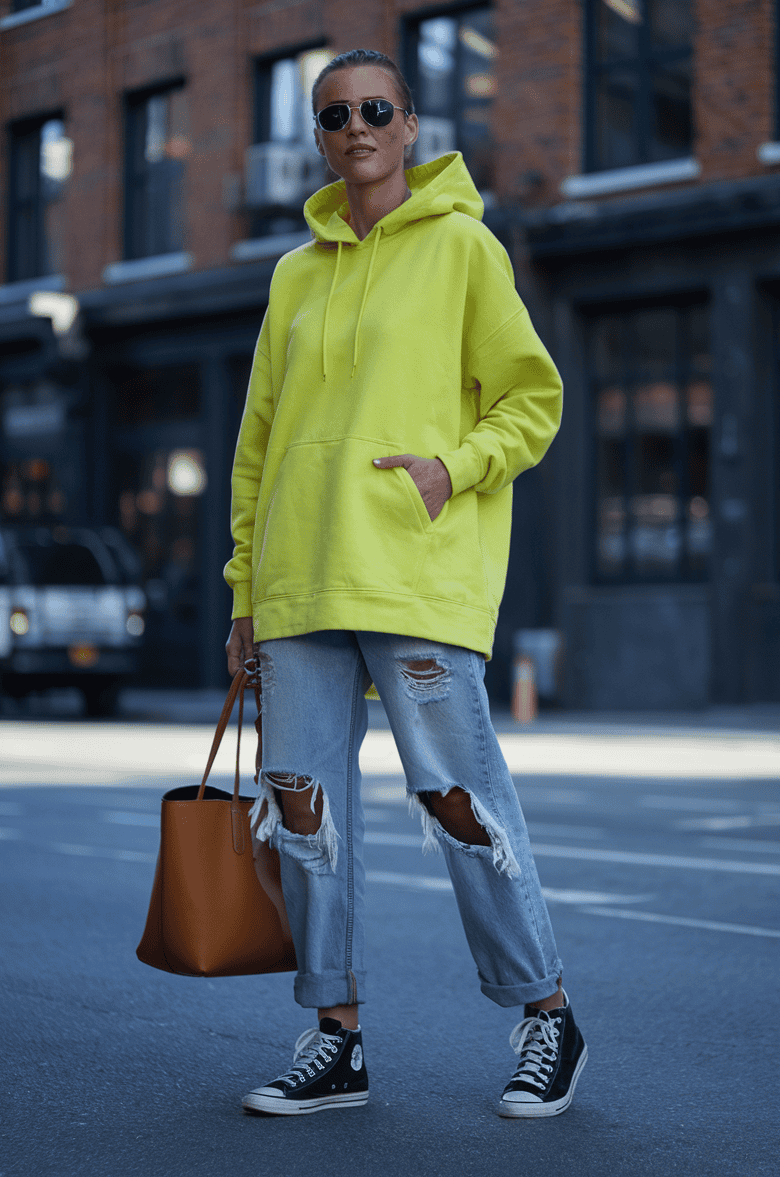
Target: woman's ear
<point>318,141</point>
<point>411,130</point>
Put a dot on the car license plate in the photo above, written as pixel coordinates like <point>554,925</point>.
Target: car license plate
<point>83,655</point>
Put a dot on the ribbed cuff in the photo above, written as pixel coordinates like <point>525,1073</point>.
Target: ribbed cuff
<point>463,466</point>
<point>242,599</point>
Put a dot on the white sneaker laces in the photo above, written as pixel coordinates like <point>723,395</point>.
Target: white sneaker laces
<point>311,1050</point>
<point>536,1041</point>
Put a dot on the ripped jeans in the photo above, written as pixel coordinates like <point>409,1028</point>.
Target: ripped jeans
<point>314,720</point>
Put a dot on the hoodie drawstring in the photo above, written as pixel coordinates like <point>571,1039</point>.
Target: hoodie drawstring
<point>363,303</point>
<point>360,312</point>
<point>327,316</point>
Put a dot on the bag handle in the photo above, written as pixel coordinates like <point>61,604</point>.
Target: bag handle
<point>237,688</point>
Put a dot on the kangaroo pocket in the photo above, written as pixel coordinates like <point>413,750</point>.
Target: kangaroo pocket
<point>454,569</point>
<point>336,522</point>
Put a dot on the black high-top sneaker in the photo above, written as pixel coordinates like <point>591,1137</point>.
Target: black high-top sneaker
<point>328,1071</point>
<point>552,1053</point>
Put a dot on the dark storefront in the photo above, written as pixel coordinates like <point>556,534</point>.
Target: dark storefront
<point>663,317</point>
<point>137,432</point>
<point>169,368</point>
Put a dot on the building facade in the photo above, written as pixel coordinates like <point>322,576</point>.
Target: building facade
<point>155,158</point>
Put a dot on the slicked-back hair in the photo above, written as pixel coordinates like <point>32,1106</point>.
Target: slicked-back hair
<point>365,57</point>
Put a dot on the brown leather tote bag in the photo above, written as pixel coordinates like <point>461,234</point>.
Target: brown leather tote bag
<point>210,915</point>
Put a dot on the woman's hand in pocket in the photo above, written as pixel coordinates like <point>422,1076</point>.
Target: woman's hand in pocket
<point>429,475</point>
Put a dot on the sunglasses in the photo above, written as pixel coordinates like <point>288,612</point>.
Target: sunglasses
<point>377,112</point>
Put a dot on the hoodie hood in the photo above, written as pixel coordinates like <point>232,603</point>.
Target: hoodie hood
<point>441,186</point>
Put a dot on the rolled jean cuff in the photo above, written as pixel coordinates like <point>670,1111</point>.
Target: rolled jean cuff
<point>509,995</point>
<point>322,990</point>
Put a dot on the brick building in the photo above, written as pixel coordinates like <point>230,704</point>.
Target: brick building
<point>155,158</point>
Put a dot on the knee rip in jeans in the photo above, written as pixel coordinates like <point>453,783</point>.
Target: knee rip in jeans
<point>426,679</point>
<point>315,851</point>
<point>434,832</point>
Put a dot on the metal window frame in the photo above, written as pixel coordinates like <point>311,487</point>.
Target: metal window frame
<point>133,101</point>
<point>261,80</point>
<point>682,369</point>
<point>642,65</point>
<point>409,35</point>
<point>262,68</point>
<point>15,131</point>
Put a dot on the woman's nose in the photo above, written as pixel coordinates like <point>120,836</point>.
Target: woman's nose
<point>356,122</point>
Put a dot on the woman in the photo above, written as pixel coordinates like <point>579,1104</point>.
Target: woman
<point>398,388</point>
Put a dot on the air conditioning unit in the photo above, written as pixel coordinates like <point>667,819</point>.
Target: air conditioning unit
<point>280,174</point>
<point>436,137</point>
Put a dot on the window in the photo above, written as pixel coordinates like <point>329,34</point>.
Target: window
<point>156,147</point>
<point>284,167</point>
<point>31,492</point>
<point>159,502</point>
<point>40,158</point>
<point>638,101</point>
<point>149,396</point>
<point>59,564</point>
<point>450,63</point>
<point>650,384</point>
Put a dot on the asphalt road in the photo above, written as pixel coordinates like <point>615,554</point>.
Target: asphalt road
<point>659,849</point>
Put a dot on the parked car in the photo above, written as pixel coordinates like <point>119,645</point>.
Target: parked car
<point>71,612</point>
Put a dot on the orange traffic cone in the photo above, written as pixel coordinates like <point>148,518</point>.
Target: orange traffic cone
<point>524,697</point>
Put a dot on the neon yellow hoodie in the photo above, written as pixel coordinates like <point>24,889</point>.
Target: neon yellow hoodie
<point>413,340</point>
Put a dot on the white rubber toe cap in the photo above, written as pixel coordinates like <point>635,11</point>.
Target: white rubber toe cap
<point>273,1092</point>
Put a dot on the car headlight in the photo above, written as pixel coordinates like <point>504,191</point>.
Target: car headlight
<point>135,625</point>
<point>19,622</point>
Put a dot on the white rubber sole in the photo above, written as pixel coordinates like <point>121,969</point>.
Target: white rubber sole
<point>280,1106</point>
<point>518,1110</point>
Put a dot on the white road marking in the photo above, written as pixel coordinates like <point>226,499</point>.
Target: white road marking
<point>578,897</point>
<point>434,883</point>
<point>78,851</point>
<point>632,858</point>
<point>544,830</point>
<point>682,922</point>
<point>375,838</point>
<point>413,882</point>
<point>713,804</point>
<point>738,844</point>
<point>745,821</point>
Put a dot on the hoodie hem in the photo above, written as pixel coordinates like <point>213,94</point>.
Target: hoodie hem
<point>377,611</point>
